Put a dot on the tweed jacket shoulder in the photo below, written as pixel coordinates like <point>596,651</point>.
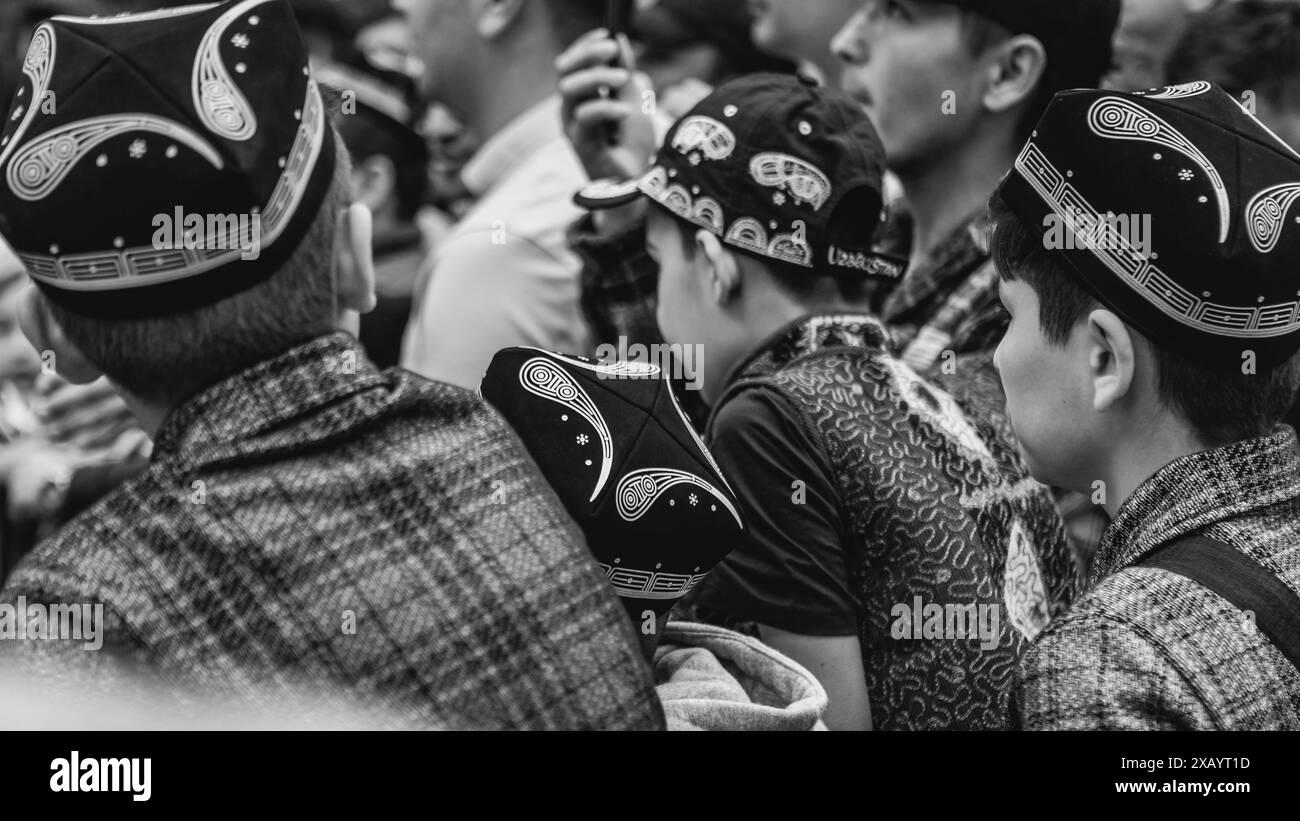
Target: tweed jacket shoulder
<point>1146,649</point>
<point>377,537</point>
<point>940,507</point>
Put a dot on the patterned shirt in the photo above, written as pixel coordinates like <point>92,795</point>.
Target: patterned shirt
<point>315,522</point>
<point>1146,649</point>
<point>875,500</point>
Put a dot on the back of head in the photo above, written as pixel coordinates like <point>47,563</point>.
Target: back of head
<point>1178,212</point>
<point>1077,36</point>
<point>176,207</point>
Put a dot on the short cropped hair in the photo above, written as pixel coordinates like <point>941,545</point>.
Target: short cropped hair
<point>1222,406</point>
<point>171,358</point>
<point>814,288</point>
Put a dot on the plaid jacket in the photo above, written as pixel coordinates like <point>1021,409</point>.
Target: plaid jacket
<point>1145,649</point>
<point>379,537</point>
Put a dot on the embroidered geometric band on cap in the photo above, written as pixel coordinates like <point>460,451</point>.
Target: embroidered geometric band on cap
<point>145,265</point>
<point>1144,275</point>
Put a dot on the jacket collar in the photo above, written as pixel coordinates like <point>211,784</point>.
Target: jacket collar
<point>1196,491</point>
<point>964,250</point>
<point>269,395</point>
<point>807,336</point>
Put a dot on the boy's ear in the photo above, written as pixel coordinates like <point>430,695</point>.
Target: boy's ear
<point>45,335</point>
<point>1014,73</point>
<point>1112,359</point>
<point>354,265</point>
<point>723,270</point>
<point>494,17</point>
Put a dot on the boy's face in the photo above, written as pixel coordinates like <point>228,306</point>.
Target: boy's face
<point>443,35</point>
<point>688,313</point>
<point>906,61</point>
<point>1049,393</point>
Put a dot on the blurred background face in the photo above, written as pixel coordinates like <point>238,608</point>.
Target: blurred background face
<point>902,58</point>
<point>443,39</point>
<point>1048,391</point>
<point>799,29</point>
<point>1148,32</point>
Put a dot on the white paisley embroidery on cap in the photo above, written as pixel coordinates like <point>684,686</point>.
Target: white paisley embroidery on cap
<point>1144,276</point>
<point>1281,142</point>
<point>1266,215</point>
<point>1179,92</point>
<point>219,102</point>
<point>638,491</point>
<point>1114,118</point>
<point>711,138</point>
<point>542,377</point>
<point>136,17</point>
<point>38,66</point>
<point>43,164</point>
<point>803,180</point>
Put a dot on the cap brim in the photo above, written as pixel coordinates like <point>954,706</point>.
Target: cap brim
<point>602,195</point>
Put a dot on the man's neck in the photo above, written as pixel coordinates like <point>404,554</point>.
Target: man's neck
<point>1141,454</point>
<point>945,193</point>
<point>503,94</point>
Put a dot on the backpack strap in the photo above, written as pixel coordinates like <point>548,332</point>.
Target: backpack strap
<point>1241,580</point>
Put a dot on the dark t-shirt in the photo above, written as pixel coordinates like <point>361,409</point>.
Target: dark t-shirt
<point>792,575</point>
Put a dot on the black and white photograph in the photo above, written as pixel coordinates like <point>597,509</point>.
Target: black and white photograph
<point>483,366</point>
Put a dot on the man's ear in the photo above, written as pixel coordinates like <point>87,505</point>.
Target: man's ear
<point>354,265</point>
<point>724,276</point>
<point>1014,72</point>
<point>1112,359</point>
<point>374,181</point>
<point>47,337</point>
<point>492,18</point>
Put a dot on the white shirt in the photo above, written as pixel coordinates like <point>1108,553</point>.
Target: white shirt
<point>505,276</point>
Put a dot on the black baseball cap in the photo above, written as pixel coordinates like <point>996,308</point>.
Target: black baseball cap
<point>776,167</point>
<point>1078,35</point>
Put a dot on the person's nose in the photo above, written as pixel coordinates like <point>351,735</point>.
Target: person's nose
<point>849,45</point>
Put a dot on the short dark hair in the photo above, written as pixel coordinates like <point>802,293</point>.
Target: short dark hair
<point>1249,45</point>
<point>1222,406</point>
<point>980,33</point>
<point>815,288</point>
<point>168,359</point>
